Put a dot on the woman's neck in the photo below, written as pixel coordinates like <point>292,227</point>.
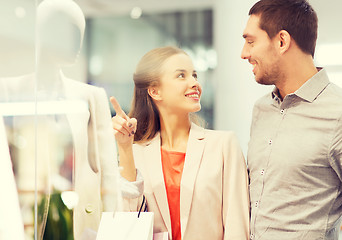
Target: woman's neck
<point>174,132</point>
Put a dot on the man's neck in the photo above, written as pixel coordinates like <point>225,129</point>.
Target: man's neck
<point>296,74</point>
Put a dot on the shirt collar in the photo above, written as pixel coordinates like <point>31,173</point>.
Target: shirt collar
<point>275,95</point>
<point>310,90</point>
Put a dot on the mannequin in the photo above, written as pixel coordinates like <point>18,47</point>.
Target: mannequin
<point>70,113</point>
<point>60,29</point>
<point>11,226</point>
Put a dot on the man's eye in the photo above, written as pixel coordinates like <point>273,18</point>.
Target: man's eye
<point>181,75</point>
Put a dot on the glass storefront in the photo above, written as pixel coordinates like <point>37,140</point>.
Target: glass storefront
<point>58,68</point>
<point>60,60</point>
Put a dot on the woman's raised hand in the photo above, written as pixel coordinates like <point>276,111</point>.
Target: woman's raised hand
<point>124,130</point>
<point>124,127</point>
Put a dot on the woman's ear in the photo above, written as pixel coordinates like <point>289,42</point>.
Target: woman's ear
<point>284,41</point>
<point>154,93</point>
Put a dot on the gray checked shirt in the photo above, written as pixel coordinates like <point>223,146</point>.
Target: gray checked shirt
<point>295,163</point>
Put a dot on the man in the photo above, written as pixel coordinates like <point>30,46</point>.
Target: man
<point>295,150</point>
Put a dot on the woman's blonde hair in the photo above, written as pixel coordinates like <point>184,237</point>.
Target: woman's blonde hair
<point>147,74</point>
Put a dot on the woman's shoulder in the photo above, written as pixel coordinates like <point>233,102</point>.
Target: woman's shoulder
<point>210,133</point>
<point>223,133</point>
<point>200,130</point>
<point>140,146</point>
<point>228,137</point>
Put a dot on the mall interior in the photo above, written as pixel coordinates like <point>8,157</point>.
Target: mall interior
<point>100,44</point>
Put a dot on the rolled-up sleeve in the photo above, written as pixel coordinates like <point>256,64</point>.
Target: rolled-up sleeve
<point>132,192</point>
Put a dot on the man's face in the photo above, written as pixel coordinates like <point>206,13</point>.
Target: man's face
<point>260,51</point>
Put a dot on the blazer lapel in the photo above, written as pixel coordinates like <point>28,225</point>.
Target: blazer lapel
<point>81,126</point>
<point>192,163</point>
<point>152,154</point>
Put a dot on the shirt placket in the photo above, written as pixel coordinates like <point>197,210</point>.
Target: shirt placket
<point>271,140</point>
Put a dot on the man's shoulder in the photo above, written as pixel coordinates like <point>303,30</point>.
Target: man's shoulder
<point>331,99</point>
<point>335,91</point>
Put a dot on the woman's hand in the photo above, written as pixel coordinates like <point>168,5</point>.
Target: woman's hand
<point>124,130</point>
<point>124,127</point>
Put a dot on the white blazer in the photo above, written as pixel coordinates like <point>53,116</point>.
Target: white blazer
<point>96,170</point>
<point>214,198</point>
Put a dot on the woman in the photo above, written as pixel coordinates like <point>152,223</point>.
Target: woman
<point>194,180</point>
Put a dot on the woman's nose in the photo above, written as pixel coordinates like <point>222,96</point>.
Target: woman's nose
<point>195,83</point>
<point>196,86</point>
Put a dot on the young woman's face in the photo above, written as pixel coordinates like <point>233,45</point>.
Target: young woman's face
<point>179,89</point>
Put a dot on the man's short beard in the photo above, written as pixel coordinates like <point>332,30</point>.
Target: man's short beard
<point>271,76</point>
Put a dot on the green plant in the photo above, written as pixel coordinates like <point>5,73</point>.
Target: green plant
<point>59,222</point>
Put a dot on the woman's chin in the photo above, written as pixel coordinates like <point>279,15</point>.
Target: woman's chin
<point>197,109</point>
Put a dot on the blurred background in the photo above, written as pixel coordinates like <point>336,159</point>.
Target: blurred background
<point>119,32</point>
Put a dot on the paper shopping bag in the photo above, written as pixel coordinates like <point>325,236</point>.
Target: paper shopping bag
<point>161,236</point>
<point>126,226</point>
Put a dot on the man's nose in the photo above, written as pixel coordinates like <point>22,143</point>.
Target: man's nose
<point>245,53</point>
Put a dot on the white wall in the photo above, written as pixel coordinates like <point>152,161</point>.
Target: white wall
<point>236,89</point>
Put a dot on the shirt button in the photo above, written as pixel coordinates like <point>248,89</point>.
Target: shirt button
<point>270,141</point>
<point>89,208</point>
<point>262,172</point>
<point>252,236</point>
<point>282,111</point>
<point>257,204</point>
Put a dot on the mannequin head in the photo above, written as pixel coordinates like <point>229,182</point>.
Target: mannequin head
<point>60,30</point>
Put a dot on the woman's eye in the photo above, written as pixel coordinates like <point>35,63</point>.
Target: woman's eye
<point>181,75</point>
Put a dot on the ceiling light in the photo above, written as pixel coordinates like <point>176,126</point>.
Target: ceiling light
<point>136,13</point>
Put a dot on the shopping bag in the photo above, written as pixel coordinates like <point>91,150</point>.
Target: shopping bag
<point>161,236</point>
<point>127,225</point>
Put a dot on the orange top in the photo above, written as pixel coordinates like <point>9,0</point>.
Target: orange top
<point>173,163</point>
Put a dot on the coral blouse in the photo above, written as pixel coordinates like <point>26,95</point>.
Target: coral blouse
<point>173,163</point>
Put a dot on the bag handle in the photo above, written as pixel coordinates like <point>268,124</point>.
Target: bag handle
<point>141,206</point>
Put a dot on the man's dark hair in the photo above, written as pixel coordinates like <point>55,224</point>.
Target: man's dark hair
<point>297,17</point>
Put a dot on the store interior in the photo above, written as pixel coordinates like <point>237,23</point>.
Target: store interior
<point>116,34</point>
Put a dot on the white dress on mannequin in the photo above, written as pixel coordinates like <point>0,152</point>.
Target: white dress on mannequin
<point>85,116</point>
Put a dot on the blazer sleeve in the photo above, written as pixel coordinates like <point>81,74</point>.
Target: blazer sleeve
<point>235,192</point>
<point>132,193</point>
<point>106,152</point>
